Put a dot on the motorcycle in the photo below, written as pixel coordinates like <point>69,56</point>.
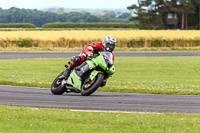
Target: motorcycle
<point>87,77</point>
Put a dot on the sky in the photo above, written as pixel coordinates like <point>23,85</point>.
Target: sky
<point>93,4</point>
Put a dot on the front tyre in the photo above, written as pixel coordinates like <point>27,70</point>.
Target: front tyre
<point>57,88</point>
<point>86,91</point>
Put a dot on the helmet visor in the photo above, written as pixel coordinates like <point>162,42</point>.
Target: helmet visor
<point>110,46</point>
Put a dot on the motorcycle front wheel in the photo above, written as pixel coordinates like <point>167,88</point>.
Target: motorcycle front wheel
<point>57,88</point>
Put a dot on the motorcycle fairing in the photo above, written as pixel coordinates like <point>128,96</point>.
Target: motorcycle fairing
<point>74,80</point>
<point>93,74</point>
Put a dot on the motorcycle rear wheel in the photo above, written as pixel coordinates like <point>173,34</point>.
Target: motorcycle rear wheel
<point>93,87</point>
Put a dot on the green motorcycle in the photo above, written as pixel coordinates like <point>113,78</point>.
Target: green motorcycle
<point>87,77</point>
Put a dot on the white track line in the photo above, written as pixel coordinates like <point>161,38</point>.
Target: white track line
<point>104,111</point>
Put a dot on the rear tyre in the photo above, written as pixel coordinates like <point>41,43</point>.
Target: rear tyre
<point>57,88</point>
<point>86,91</point>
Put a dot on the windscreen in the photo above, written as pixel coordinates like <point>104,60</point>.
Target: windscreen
<point>108,56</point>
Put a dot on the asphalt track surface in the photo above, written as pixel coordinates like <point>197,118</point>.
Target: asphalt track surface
<point>117,54</point>
<point>99,101</point>
<point>102,101</point>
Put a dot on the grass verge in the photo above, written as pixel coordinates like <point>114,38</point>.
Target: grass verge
<point>31,120</point>
<point>155,75</point>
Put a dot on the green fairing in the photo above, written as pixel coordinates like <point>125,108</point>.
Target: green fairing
<point>111,70</point>
<point>100,62</point>
<point>94,74</point>
<point>76,82</point>
<point>90,64</point>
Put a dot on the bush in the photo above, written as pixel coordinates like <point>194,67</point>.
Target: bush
<point>17,25</point>
<point>90,25</point>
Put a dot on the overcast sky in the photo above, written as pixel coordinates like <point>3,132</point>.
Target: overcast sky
<point>38,4</point>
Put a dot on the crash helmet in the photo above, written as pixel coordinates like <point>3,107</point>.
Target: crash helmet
<point>109,43</point>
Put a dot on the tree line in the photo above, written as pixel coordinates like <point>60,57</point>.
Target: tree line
<point>39,18</point>
<point>150,13</point>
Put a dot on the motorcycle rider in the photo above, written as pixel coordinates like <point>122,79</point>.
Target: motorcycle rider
<point>89,50</point>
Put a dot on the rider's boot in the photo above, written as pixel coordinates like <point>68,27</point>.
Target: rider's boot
<point>66,73</point>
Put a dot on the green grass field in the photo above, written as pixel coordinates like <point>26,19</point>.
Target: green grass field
<point>33,120</point>
<point>157,75</point>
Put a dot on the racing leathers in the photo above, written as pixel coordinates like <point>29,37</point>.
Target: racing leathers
<point>87,51</point>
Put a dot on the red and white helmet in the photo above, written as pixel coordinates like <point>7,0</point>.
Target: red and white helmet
<point>109,43</point>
